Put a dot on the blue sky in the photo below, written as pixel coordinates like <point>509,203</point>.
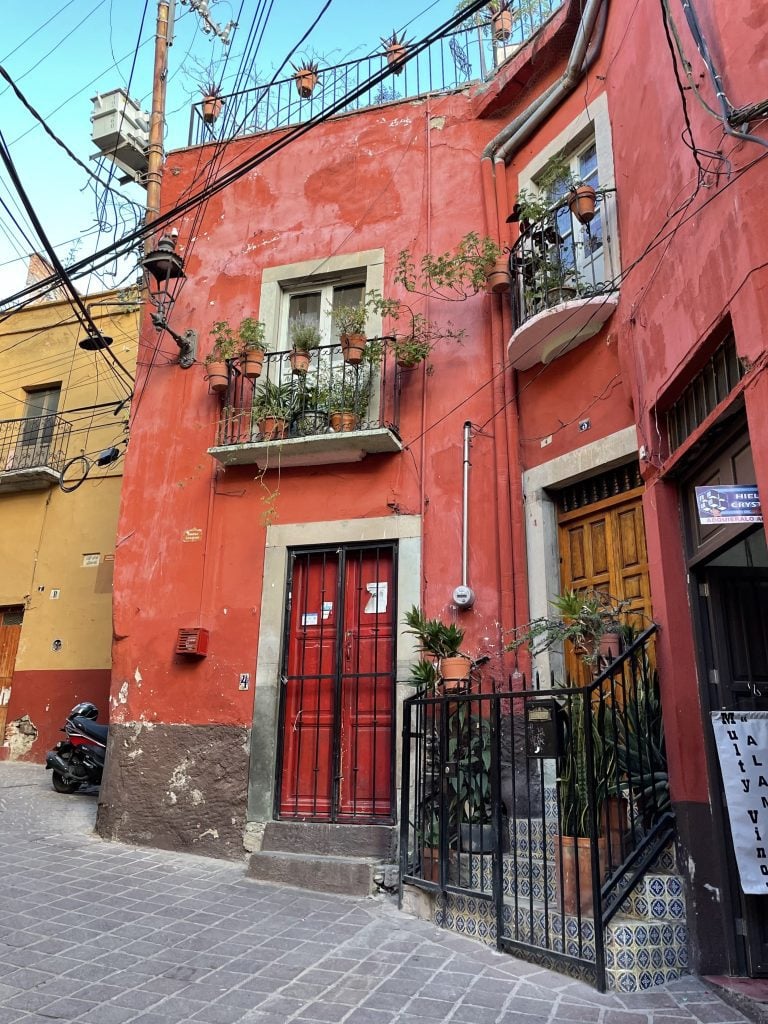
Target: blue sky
<point>87,46</point>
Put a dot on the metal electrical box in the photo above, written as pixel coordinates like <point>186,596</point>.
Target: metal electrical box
<point>120,129</point>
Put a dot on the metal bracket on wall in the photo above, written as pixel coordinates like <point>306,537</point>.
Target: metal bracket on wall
<point>187,341</point>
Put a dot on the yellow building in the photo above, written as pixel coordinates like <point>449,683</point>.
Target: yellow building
<point>62,408</point>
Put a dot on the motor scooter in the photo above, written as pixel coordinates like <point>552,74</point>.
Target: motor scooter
<point>79,759</point>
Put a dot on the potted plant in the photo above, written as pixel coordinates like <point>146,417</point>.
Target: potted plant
<point>443,642</point>
<point>349,322</point>
<point>306,77</point>
<point>348,398</point>
<point>581,199</point>
<point>396,49</point>
<point>225,346</point>
<point>304,334</point>
<point>212,102</point>
<point>414,336</point>
<point>410,351</point>
<point>499,278</point>
<point>454,275</point>
<point>502,19</point>
<point>251,333</point>
<point>273,406</point>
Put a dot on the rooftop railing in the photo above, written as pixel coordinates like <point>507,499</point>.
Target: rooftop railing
<point>449,63</point>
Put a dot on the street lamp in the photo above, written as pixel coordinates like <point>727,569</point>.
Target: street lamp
<point>165,268</point>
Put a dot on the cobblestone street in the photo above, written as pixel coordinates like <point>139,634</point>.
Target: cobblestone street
<point>106,933</point>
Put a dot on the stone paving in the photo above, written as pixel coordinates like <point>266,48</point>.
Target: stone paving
<point>105,933</point>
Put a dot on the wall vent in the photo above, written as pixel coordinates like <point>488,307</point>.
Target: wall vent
<point>193,642</point>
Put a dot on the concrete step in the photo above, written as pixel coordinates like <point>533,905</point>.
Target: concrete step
<point>348,875</point>
<point>330,840</point>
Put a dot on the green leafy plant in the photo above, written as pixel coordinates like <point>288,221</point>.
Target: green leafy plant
<point>424,676</point>
<point>349,392</point>
<point>251,333</point>
<point>414,335</point>
<point>581,619</point>
<point>304,333</point>
<point>350,319</point>
<point>455,274</point>
<point>273,400</point>
<point>225,343</point>
<point>434,636</point>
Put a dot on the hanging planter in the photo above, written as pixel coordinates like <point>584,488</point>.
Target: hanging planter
<point>352,348</point>
<point>217,377</point>
<point>272,429</point>
<point>306,77</point>
<point>498,278</point>
<point>253,363</point>
<point>581,203</point>
<point>212,102</point>
<point>502,20</point>
<point>396,50</point>
<point>299,361</point>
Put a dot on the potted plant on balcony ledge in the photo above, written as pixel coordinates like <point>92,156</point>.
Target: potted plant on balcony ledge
<point>305,337</point>
<point>350,322</point>
<point>273,406</point>
<point>225,349</point>
<point>251,333</point>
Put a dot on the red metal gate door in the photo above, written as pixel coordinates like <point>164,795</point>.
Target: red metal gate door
<point>309,685</point>
<point>367,685</point>
<point>336,755</point>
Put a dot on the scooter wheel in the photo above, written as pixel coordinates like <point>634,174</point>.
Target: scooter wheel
<point>62,785</point>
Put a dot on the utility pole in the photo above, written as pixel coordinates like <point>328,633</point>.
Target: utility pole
<point>163,39</point>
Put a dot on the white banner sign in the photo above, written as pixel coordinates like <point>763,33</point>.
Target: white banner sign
<point>742,746</point>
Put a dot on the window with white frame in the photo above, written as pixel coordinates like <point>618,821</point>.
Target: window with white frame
<point>316,303</point>
<point>581,245</point>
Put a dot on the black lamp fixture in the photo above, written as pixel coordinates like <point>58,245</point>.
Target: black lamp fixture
<point>164,269</point>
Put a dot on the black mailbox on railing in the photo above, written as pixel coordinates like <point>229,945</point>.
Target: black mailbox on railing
<point>544,728</point>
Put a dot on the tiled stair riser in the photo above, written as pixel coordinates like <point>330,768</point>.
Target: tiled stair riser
<point>646,944</point>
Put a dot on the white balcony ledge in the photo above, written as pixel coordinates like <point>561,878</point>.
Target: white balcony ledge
<point>557,330</point>
<point>35,478</point>
<point>315,450</point>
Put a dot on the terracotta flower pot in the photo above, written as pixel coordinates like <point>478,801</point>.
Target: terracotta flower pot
<point>581,203</point>
<point>305,83</point>
<point>272,429</point>
<point>498,278</point>
<point>217,377</point>
<point>352,348</point>
<point>501,24</point>
<point>253,363</point>
<point>575,900</point>
<point>395,57</point>
<point>299,361</point>
<point>343,421</point>
<point>454,670</point>
<point>211,108</point>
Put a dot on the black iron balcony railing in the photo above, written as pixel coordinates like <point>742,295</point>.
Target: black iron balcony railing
<point>449,63</point>
<point>559,257</point>
<point>33,443</point>
<point>330,397</point>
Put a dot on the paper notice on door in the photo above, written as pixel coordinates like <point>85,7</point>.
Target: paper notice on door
<point>327,609</point>
<point>377,603</point>
<point>309,619</point>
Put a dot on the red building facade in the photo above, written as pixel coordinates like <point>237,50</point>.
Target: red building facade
<point>595,411</point>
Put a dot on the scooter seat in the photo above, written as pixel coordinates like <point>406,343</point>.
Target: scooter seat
<point>91,728</point>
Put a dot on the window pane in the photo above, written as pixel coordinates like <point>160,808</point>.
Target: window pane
<point>305,305</point>
<point>347,295</point>
<point>588,164</point>
<point>39,410</point>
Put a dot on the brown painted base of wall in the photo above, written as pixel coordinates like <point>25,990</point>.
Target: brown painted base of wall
<point>46,698</point>
<point>176,787</point>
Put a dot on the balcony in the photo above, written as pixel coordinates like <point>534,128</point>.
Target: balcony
<point>449,63</point>
<point>563,289</point>
<point>32,452</point>
<point>334,412</point>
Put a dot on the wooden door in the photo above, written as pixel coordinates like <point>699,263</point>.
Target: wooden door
<point>336,751</point>
<point>10,632</point>
<point>602,547</point>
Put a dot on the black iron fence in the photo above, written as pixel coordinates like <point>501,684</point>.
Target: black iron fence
<point>327,396</point>
<point>450,62</point>
<point>546,805</point>
<point>35,442</point>
<point>559,257</point>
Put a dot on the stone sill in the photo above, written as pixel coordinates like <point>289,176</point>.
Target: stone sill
<point>37,478</point>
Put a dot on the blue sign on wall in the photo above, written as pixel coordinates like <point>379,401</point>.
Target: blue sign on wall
<point>732,503</point>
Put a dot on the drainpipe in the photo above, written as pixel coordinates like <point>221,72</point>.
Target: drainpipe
<point>463,595</point>
<point>514,590</point>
